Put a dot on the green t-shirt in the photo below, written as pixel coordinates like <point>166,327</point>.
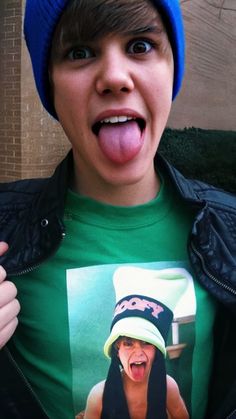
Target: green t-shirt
<point>67,303</point>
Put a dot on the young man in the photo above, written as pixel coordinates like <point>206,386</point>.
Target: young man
<point>108,70</point>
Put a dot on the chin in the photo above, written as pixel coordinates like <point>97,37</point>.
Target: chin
<point>129,174</point>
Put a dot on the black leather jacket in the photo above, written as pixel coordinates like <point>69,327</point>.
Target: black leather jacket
<point>31,213</point>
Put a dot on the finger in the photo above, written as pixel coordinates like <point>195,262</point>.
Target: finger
<point>7,331</point>
<point>3,274</point>
<point>3,247</point>
<point>8,292</point>
<point>8,313</point>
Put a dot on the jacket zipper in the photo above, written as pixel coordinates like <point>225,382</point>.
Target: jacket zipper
<point>27,384</point>
<point>216,280</point>
<point>232,415</point>
<point>33,267</point>
<point>10,357</point>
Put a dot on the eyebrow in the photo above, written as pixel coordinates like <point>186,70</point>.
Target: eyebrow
<point>155,29</point>
<point>149,28</point>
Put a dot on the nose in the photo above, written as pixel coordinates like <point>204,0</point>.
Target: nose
<point>114,76</point>
<point>138,348</point>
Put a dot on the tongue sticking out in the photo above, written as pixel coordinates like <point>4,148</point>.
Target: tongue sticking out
<point>120,142</point>
<point>138,371</point>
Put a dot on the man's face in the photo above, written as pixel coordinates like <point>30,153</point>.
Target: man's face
<point>136,357</point>
<point>113,97</point>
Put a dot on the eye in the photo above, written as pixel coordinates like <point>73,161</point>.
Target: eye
<point>128,343</point>
<point>140,46</point>
<point>80,53</point>
<point>144,343</point>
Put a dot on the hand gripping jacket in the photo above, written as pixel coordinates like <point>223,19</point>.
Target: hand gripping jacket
<point>33,209</point>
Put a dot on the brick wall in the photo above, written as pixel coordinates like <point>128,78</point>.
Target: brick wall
<point>31,142</point>
<point>10,89</point>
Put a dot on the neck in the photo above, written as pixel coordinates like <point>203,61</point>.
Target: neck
<point>130,385</point>
<point>136,193</point>
<point>136,396</point>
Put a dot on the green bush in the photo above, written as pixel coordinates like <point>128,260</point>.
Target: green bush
<point>207,155</point>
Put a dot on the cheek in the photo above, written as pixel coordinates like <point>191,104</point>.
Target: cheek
<point>64,85</point>
<point>165,83</point>
<point>151,354</point>
<point>123,358</point>
<point>63,90</point>
<point>158,92</point>
<point>69,103</point>
<point>164,74</point>
<point>59,95</point>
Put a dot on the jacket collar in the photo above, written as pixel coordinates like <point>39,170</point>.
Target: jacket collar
<point>57,185</point>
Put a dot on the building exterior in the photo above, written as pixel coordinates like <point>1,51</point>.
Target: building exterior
<point>31,142</point>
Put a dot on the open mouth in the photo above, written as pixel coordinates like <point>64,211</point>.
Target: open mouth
<point>123,119</point>
<point>120,137</point>
<point>138,369</point>
<point>138,364</point>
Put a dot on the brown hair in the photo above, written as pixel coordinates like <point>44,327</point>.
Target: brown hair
<point>86,20</point>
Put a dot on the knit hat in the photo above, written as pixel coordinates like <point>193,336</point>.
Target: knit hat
<point>145,301</point>
<point>42,16</point>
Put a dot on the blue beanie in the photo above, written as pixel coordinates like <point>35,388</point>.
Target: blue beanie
<point>42,16</point>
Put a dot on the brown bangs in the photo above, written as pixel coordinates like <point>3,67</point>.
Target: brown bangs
<point>87,20</point>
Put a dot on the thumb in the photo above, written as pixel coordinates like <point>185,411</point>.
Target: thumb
<point>3,248</point>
